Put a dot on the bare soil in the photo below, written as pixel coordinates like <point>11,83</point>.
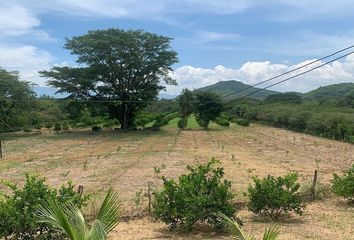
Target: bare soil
<point>125,160</point>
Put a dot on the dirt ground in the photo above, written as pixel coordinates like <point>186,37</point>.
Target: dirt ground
<point>125,160</point>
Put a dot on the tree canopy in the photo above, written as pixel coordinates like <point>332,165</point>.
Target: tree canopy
<point>123,69</point>
<point>15,101</point>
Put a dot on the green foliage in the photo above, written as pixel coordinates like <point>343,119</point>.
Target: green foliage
<point>182,122</point>
<point>196,197</point>
<point>208,107</point>
<point>69,219</point>
<point>243,122</point>
<point>162,120</point>
<point>272,196</point>
<point>185,103</point>
<point>344,185</point>
<point>57,127</point>
<point>222,121</point>
<point>17,102</point>
<point>235,230</point>
<point>143,119</point>
<point>65,126</point>
<point>96,128</point>
<point>18,210</point>
<point>124,67</point>
<point>294,98</point>
<point>49,125</point>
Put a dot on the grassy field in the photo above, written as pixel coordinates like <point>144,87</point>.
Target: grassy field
<point>125,160</point>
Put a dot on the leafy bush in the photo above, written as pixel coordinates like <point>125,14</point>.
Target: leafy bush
<point>196,197</point>
<point>344,185</point>
<point>48,125</point>
<point>222,121</point>
<point>96,128</point>
<point>163,120</point>
<point>243,122</point>
<point>182,122</point>
<point>65,126</point>
<point>18,210</point>
<point>272,196</point>
<point>57,127</point>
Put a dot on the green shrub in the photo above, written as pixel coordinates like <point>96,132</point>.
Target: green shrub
<point>272,196</point>
<point>162,120</point>
<point>222,121</point>
<point>18,210</point>
<point>196,197</point>
<point>65,126</point>
<point>48,125</point>
<point>57,127</point>
<point>96,128</point>
<point>243,122</point>
<point>182,122</point>
<point>344,185</point>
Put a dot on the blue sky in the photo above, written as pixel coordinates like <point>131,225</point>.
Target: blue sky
<point>246,40</point>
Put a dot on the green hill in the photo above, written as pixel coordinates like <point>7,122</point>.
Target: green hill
<point>225,87</point>
<point>330,92</point>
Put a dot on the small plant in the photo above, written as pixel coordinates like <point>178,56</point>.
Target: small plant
<point>66,126</point>
<point>182,122</point>
<point>138,197</point>
<point>57,127</point>
<point>196,197</point>
<point>48,125</point>
<point>96,128</point>
<point>233,157</point>
<point>243,122</point>
<point>272,196</point>
<point>344,185</point>
<point>158,169</point>
<point>235,230</point>
<point>69,219</point>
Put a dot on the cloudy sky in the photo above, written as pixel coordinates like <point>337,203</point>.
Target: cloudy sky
<point>246,40</point>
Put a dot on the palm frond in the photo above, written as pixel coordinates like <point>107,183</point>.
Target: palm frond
<point>50,212</point>
<point>271,233</point>
<point>234,228</point>
<point>97,231</point>
<point>108,214</point>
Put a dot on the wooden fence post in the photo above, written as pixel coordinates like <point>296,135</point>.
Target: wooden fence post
<point>314,186</point>
<point>149,195</point>
<point>0,149</point>
<point>80,190</point>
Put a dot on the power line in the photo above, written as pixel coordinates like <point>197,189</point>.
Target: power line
<point>297,75</point>
<point>290,71</point>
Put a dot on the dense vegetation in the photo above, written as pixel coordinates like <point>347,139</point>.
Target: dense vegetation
<point>197,197</point>
<point>344,185</point>
<point>18,209</point>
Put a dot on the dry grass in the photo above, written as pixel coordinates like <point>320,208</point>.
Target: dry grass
<point>125,160</point>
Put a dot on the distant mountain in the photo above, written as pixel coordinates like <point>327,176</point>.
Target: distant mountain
<point>48,91</point>
<point>225,87</point>
<point>329,92</point>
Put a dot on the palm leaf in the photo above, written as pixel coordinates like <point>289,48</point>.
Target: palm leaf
<point>51,213</point>
<point>108,214</point>
<point>271,233</point>
<point>234,228</point>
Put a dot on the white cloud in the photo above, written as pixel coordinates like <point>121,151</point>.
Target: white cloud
<point>16,20</point>
<point>26,59</point>
<point>255,72</point>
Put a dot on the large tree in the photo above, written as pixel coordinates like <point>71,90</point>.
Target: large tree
<point>16,101</point>
<point>123,69</point>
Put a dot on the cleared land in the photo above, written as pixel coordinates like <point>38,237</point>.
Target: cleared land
<point>125,160</point>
